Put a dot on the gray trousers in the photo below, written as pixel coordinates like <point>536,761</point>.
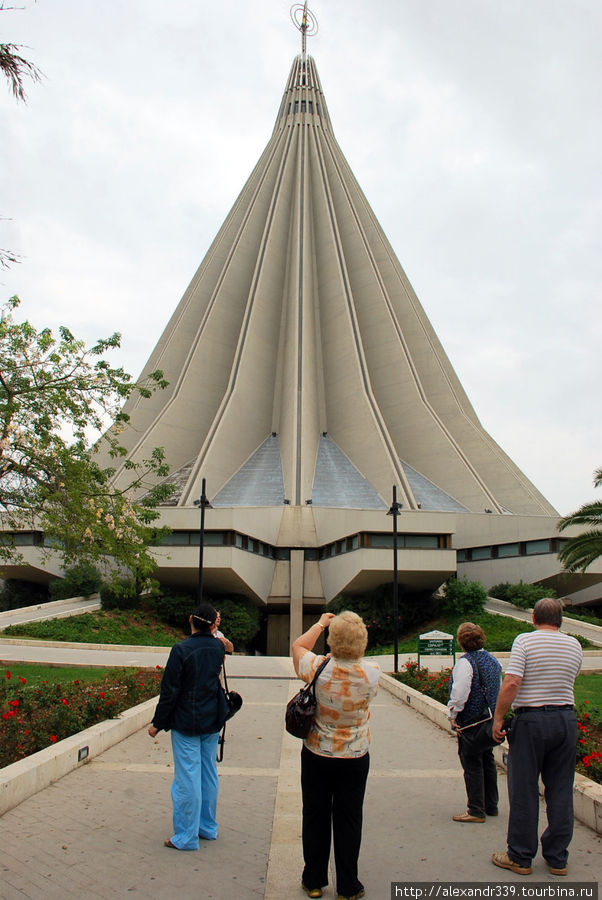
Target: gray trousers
<point>543,741</point>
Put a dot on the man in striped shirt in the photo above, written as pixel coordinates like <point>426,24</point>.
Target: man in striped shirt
<point>538,685</point>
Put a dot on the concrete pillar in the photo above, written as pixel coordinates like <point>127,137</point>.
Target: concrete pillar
<point>297,566</point>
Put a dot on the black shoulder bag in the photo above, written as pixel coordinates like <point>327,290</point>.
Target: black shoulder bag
<point>301,709</point>
<point>478,736</point>
<point>233,702</point>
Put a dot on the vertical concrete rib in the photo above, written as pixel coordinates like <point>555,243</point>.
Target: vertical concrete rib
<point>300,312</point>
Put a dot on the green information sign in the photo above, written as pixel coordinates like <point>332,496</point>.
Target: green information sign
<point>436,643</point>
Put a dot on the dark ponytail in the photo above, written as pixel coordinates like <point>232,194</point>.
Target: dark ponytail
<point>204,617</point>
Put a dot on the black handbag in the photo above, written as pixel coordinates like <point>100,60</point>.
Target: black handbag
<point>301,709</point>
<point>477,737</point>
<point>231,702</point>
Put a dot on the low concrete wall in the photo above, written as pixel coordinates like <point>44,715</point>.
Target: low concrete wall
<point>71,645</point>
<point>587,795</point>
<point>26,777</point>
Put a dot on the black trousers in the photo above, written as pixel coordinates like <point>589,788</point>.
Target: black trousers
<point>333,796</point>
<point>542,742</point>
<point>480,778</point>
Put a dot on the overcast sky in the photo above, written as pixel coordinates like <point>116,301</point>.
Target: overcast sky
<point>473,127</point>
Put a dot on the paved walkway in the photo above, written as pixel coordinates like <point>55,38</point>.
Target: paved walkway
<point>98,832</point>
<point>571,626</point>
<point>60,654</point>
<point>55,609</point>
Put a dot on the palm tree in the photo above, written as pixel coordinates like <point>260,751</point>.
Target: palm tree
<point>578,552</point>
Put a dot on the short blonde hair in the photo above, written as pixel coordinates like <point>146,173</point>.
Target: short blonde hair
<point>347,636</point>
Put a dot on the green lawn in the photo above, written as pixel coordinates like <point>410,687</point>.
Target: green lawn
<point>500,632</point>
<point>589,687</point>
<point>134,627</point>
<point>34,673</point>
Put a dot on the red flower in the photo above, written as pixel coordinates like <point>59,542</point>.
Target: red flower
<point>101,695</point>
<point>66,702</point>
<point>53,738</point>
<point>581,741</point>
<point>14,703</point>
<point>22,680</point>
<point>8,674</point>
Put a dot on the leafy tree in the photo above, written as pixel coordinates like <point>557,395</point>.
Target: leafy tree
<point>522,595</point>
<point>376,609</point>
<point>580,551</point>
<point>463,597</point>
<point>79,580</point>
<point>55,391</point>
<point>120,593</point>
<point>240,619</point>
<point>16,593</point>
<point>172,606</point>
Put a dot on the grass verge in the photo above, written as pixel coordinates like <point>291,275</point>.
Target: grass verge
<point>500,632</point>
<point>35,673</point>
<point>134,627</point>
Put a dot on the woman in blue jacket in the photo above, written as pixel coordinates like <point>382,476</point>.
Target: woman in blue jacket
<point>193,707</point>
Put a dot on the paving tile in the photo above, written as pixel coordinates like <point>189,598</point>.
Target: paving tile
<point>99,831</point>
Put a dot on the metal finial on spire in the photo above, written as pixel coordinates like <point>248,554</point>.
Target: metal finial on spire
<point>305,21</point>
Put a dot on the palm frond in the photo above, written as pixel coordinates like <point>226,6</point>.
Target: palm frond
<point>580,551</point>
<point>588,514</point>
<point>16,68</point>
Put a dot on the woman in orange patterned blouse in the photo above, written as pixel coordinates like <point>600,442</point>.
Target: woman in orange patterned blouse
<point>335,758</point>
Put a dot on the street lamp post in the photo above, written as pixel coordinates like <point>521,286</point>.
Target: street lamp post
<point>394,511</point>
<point>203,502</point>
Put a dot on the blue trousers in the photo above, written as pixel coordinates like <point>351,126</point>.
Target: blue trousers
<point>194,789</point>
<point>542,742</point>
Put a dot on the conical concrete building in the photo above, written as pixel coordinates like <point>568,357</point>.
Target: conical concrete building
<point>305,381</point>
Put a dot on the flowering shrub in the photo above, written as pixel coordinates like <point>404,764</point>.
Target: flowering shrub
<point>33,717</point>
<point>589,744</point>
<point>433,684</point>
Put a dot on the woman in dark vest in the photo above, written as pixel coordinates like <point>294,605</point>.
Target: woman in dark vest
<point>465,707</point>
